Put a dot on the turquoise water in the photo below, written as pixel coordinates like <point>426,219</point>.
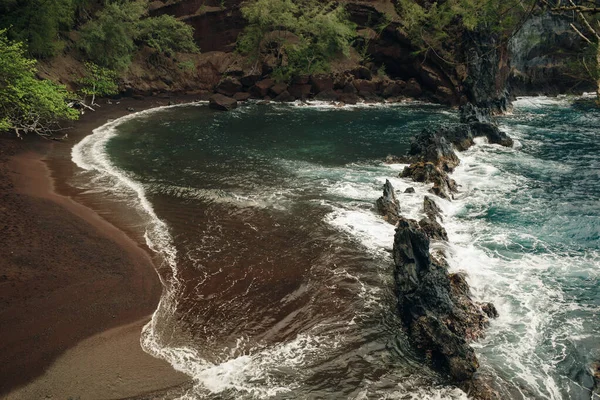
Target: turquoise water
<point>278,271</point>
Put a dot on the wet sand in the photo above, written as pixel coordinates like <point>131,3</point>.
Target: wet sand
<point>75,290</point>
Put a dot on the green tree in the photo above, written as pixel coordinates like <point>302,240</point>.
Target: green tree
<point>98,81</point>
<point>28,104</point>
<point>430,26</point>
<point>303,36</point>
<point>109,39</point>
<point>166,34</point>
<point>37,23</point>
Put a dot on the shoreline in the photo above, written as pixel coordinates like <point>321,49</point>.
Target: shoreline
<point>77,289</point>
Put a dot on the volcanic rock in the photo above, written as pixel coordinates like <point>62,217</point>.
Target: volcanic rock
<point>229,86</point>
<point>223,103</point>
<point>388,205</point>
<point>435,307</point>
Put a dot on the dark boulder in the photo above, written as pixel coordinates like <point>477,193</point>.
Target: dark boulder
<point>349,98</point>
<point>409,190</point>
<point>365,86</point>
<point>327,95</point>
<point>492,133</point>
<point>431,146</point>
<point>261,89</point>
<point>284,96</point>
<point>362,72</point>
<point>277,89</point>
<point>249,80</point>
<point>321,83</point>
<point>435,307</point>
<point>412,88</point>
<point>229,86</point>
<point>241,96</point>
<point>349,88</point>
<point>393,89</point>
<point>300,91</point>
<point>388,205</point>
<point>223,103</point>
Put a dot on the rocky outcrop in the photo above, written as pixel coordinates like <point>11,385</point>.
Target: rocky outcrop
<point>221,102</point>
<point>431,223</point>
<point>443,185</point>
<point>541,57</point>
<point>435,306</point>
<point>388,205</point>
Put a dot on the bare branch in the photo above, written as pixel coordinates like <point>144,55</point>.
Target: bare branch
<point>581,34</point>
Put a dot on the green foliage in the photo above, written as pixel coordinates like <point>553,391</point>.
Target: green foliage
<point>187,66</point>
<point>37,23</point>
<point>99,81</point>
<point>430,27</point>
<point>166,34</point>
<point>108,40</point>
<point>302,35</point>
<point>111,39</point>
<point>28,104</point>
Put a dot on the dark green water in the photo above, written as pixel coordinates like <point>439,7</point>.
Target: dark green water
<point>278,270</point>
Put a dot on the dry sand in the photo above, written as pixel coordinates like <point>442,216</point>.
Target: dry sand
<point>75,290</point>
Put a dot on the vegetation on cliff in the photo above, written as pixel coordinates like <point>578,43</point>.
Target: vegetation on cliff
<point>103,35</point>
<point>296,37</point>
<point>28,104</point>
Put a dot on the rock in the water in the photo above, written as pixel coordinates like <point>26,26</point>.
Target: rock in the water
<point>433,229</point>
<point>492,133</point>
<point>431,209</point>
<point>388,205</point>
<point>430,224</point>
<point>443,186</point>
<point>241,96</point>
<point>431,146</point>
<point>409,190</point>
<point>435,307</point>
<point>223,103</point>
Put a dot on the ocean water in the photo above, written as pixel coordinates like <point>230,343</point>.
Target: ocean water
<point>278,272</point>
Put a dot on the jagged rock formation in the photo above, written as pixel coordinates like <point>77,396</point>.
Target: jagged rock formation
<point>541,57</point>
<point>432,156</point>
<point>436,307</point>
<point>388,205</point>
<point>431,223</point>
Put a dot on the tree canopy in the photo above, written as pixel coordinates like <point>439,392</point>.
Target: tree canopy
<point>28,104</point>
<point>302,35</point>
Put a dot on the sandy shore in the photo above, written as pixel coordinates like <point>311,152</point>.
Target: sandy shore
<point>74,289</point>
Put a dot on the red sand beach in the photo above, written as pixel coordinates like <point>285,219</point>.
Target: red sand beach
<point>75,290</point>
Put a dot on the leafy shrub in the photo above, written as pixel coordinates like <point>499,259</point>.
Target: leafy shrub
<point>28,104</point>
<point>302,35</point>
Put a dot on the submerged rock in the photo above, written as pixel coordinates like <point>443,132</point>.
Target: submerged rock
<point>435,306</point>
<point>410,190</point>
<point>221,102</point>
<point>388,205</point>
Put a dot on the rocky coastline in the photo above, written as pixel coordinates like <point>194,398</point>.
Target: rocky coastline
<point>439,314</point>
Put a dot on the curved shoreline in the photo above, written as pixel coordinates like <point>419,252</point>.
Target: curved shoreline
<point>73,324</point>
